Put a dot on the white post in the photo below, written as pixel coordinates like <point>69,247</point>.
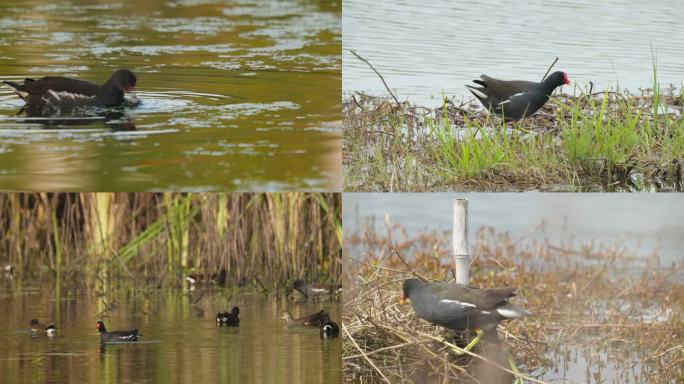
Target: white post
<point>460,251</point>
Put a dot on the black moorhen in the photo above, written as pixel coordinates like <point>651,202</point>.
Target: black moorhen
<point>37,327</point>
<point>230,319</point>
<point>105,336</point>
<point>461,307</point>
<point>64,92</point>
<point>328,328</point>
<point>313,320</point>
<point>516,99</point>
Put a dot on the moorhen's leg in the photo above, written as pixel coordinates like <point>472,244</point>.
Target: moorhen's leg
<point>472,343</point>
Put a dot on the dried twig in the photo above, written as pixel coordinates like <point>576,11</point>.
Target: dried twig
<point>549,70</point>
<point>379,75</point>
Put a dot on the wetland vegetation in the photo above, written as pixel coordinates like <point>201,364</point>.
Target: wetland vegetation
<point>591,141</point>
<point>596,318</point>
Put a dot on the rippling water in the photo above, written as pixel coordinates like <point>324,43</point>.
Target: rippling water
<point>643,223</point>
<point>424,49</point>
<point>180,343</point>
<point>236,95</point>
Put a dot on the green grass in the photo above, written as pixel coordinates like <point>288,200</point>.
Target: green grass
<point>605,141</point>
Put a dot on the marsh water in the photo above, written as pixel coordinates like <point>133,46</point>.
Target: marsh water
<point>424,50</point>
<point>236,95</point>
<point>180,341</point>
<point>644,224</point>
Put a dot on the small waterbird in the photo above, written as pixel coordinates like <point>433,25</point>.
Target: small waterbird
<point>63,92</point>
<point>516,99</point>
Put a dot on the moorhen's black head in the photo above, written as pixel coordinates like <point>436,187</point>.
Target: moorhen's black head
<point>408,287</point>
<point>557,78</point>
<point>124,80</point>
<point>235,312</point>
<point>101,327</point>
<point>34,323</point>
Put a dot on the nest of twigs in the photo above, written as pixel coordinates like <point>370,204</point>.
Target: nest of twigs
<point>595,321</point>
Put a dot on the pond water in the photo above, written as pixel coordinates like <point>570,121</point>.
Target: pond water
<point>241,95</point>
<point>644,223</point>
<point>179,342</point>
<point>426,49</point>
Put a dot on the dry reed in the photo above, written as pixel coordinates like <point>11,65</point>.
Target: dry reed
<point>265,239</point>
<point>593,313</point>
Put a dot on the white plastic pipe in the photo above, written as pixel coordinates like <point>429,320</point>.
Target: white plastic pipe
<point>460,241</point>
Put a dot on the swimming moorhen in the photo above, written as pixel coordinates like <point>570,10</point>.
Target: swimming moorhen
<point>516,99</point>
<point>228,319</point>
<point>310,291</point>
<point>64,92</point>
<point>328,328</point>
<point>37,327</point>
<point>461,307</point>
<point>313,320</point>
<point>105,336</point>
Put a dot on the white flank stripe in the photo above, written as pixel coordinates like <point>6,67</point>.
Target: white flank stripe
<point>478,93</point>
<point>319,290</point>
<point>54,95</point>
<point>457,302</point>
<point>508,313</point>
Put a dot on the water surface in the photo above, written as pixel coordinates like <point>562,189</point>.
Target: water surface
<point>180,342</point>
<point>236,95</point>
<point>425,49</point>
<point>644,223</point>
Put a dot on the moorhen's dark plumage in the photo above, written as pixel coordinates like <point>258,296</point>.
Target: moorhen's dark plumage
<point>105,336</point>
<point>516,99</point>
<point>37,327</point>
<point>313,320</point>
<point>229,319</point>
<point>328,328</point>
<point>64,92</point>
<point>461,307</point>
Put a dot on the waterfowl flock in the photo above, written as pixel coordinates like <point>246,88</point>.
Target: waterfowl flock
<point>328,329</point>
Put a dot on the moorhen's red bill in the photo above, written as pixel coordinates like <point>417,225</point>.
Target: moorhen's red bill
<point>37,327</point>
<point>461,307</point>
<point>516,99</point>
<point>313,320</point>
<point>105,336</point>
<point>328,328</point>
<point>64,92</point>
<point>228,319</point>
